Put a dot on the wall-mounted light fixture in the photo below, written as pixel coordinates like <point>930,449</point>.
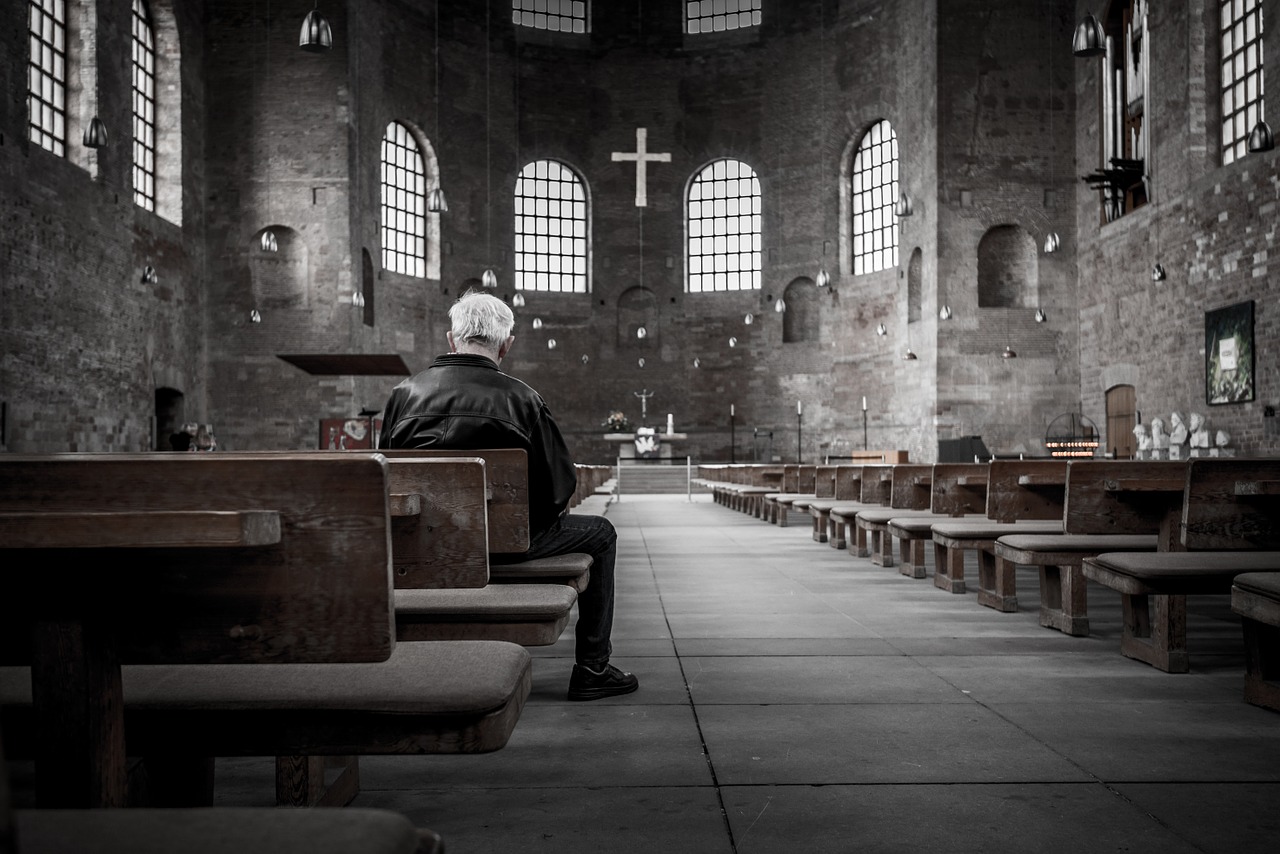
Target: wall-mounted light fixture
<point>1260,138</point>
<point>904,207</point>
<point>95,133</point>
<point>1090,39</point>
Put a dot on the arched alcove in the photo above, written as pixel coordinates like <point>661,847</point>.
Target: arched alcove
<point>800,322</point>
<point>280,279</point>
<point>1008,271</point>
<point>638,307</point>
<point>915,284</point>
<point>367,285</point>
<point>169,416</point>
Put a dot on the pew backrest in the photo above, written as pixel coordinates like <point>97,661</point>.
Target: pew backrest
<point>959,489</point>
<point>1026,489</point>
<point>1231,504</point>
<point>318,590</point>
<point>507,472</point>
<point>911,486</point>
<point>877,484</point>
<point>439,521</point>
<point>1125,497</point>
<point>848,483</point>
<point>824,483</point>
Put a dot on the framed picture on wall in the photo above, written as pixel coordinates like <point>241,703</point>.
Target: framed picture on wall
<point>1228,354</point>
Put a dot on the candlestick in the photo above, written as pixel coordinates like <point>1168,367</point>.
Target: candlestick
<point>864,403</point>
<point>799,408</point>
<point>671,424</point>
<point>731,412</point>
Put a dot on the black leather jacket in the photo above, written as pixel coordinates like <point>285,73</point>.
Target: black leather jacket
<point>463,402</point>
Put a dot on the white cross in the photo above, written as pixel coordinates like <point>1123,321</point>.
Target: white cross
<point>641,157</point>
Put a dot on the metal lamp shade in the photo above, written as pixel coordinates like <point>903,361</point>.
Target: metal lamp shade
<point>95,133</point>
<point>1090,39</point>
<point>1260,138</point>
<point>316,35</point>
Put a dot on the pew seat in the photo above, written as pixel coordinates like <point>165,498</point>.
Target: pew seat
<point>913,532</point>
<point>842,526</point>
<point>456,697</point>
<point>571,569</point>
<point>526,614</point>
<point>1154,587</point>
<point>1255,596</point>
<point>221,830</point>
<point>875,521</point>
<point>952,538</point>
<point>1063,601</point>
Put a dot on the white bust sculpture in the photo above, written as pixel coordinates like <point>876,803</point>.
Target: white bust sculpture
<point>1222,439</point>
<point>1144,441</point>
<point>1199,432</point>
<point>1159,439</point>
<point>1177,430</point>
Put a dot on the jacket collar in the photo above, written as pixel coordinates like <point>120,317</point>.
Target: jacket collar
<point>464,359</point>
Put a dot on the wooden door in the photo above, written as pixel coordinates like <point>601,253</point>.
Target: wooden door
<point>1122,414</point>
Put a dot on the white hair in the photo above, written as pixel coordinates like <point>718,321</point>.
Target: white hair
<point>481,318</point>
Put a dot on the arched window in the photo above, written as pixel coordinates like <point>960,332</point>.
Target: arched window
<point>144,107</point>
<point>552,235</point>
<point>560,16</point>
<point>1242,101</point>
<point>874,193</point>
<point>915,284</point>
<point>404,203</point>
<point>47,75</point>
<point>724,212</point>
<point>714,16</point>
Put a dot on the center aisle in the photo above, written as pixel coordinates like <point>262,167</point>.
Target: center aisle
<point>795,699</point>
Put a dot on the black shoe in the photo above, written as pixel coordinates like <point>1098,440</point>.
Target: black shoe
<point>586,684</point>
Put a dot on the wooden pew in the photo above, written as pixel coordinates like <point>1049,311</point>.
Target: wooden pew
<point>1108,506</point>
<point>205,567</point>
<point>846,487</point>
<point>797,482</point>
<point>910,493</point>
<point>1255,596</point>
<point>1228,523</point>
<point>1023,496</point>
<point>958,490</point>
<point>824,489</point>
<point>875,490</point>
<point>507,471</point>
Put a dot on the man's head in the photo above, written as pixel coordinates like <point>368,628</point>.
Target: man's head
<point>481,324</point>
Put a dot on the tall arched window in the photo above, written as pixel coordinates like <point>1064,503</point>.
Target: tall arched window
<point>144,107</point>
<point>874,193</point>
<point>47,75</point>
<point>404,203</point>
<point>714,16</point>
<point>552,234</point>
<point>724,212</point>
<point>562,16</point>
<point>1242,101</point>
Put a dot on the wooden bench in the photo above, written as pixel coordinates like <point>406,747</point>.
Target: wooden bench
<point>1023,496</point>
<point>1097,517</point>
<point>797,482</point>
<point>824,489</point>
<point>910,494</point>
<point>206,567</point>
<point>958,490</point>
<point>1255,596</point>
<point>846,487</point>
<point>1228,524</point>
<point>876,488</point>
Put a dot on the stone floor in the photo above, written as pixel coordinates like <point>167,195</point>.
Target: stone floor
<point>796,699</point>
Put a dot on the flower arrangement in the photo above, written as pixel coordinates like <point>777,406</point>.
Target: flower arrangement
<point>617,423</point>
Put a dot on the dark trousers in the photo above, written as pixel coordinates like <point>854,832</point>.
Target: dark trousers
<point>595,536</point>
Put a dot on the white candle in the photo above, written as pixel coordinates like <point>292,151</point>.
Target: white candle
<point>864,403</point>
<point>731,412</point>
<point>671,424</point>
<point>799,408</point>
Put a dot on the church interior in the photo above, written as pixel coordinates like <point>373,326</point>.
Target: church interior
<point>785,232</point>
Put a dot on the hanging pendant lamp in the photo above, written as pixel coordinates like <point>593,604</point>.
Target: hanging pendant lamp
<point>518,300</point>
<point>1157,272</point>
<point>780,306</point>
<point>1090,39</point>
<point>436,202</point>
<point>316,35</point>
<point>95,133</point>
<point>904,207</point>
<point>269,242</point>
<point>1260,139</point>
<point>1008,353</point>
<point>823,279</point>
<point>489,279</point>
<point>909,356</point>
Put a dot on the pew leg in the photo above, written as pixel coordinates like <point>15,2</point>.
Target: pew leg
<point>859,539</point>
<point>1064,604</point>
<point>783,514</point>
<point>997,582</point>
<point>1155,631</point>
<point>913,558</point>
<point>948,570</point>
<point>835,532</point>
<point>819,526</point>
<point>1262,664</point>
<point>883,555</point>
<point>306,781</point>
